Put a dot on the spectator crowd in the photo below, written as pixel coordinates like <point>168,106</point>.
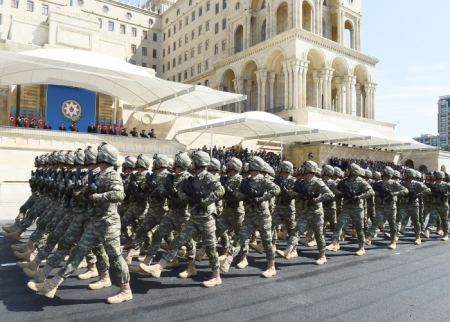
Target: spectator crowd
<point>365,164</point>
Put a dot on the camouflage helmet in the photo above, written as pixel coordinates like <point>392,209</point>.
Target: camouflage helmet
<point>318,173</point>
<point>287,166</point>
<point>355,170</point>
<point>60,157</point>
<point>388,171</point>
<point>69,158</point>
<point>79,156</point>
<point>90,155</point>
<point>161,160</point>
<point>410,173</point>
<point>201,158</point>
<point>129,162</point>
<point>43,159</point>
<point>368,173</point>
<point>37,160</point>
<point>338,172</point>
<point>269,170</point>
<point>418,174</point>
<point>439,174</point>
<point>397,174</point>
<point>107,153</point>
<point>328,170</point>
<point>257,164</point>
<point>310,166</point>
<point>377,175</point>
<point>214,165</point>
<point>171,164</point>
<point>143,161</point>
<point>182,160</point>
<point>234,164</point>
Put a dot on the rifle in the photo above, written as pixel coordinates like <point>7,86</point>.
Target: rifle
<point>302,190</point>
<point>437,193</point>
<point>191,191</point>
<point>383,193</point>
<point>411,196</point>
<point>283,194</point>
<point>348,192</point>
<point>228,190</point>
<point>250,192</point>
<point>150,183</point>
<point>69,184</point>
<point>78,183</point>
<point>170,187</point>
<point>92,186</point>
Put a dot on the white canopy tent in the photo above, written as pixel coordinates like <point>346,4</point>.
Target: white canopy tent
<point>262,125</point>
<point>104,74</point>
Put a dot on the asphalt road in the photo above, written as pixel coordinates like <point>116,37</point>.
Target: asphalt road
<point>406,284</point>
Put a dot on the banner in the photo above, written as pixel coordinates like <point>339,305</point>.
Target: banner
<point>68,104</point>
<point>116,125</point>
<point>99,125</point>
<point>12,118</point>
<point>41,119</point>
<point>25,118</point>
<point>107,127</point>
<point>121,126</point>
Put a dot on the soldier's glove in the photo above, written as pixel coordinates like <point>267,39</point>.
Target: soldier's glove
<point>203,206</point>
<point>313,202</point>
<point>257,201</point>
<point>356,198</point>
<point>190,201</point>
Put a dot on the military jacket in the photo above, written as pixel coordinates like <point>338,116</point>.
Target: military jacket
<point>157,200</point>
<point>284,199</point>
<point>175,203</point>
<point>395,188</point>
<point>230,202</point>
<point>78,202</point>
<point>360,187</point>
<point>110,192</point>
<point>438,200</point>
<point>317,187</point>
<point>331,203</point>
<point>418,188</point>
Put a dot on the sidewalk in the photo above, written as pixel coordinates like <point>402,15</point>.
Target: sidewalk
<point>12,196</point>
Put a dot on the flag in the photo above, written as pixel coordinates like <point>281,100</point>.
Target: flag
<point>116,125</point>
<point>40,120</point>
<point>99,125</point>
<point>12,118</point>
<point>121,126</point>
<point>25,118</point>
<point>20,111</point>
<point>107,128</point>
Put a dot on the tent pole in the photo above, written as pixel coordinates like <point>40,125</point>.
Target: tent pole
<point>281,154</point>
<point>212,142</point>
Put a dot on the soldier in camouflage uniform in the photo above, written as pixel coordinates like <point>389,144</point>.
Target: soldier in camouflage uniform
<point>201,192</point>
<point>138,206</point>
<point>256,192</point>
<point>439,204</point>
<point>104,228</point>
<point>157,202</point>
<point>128,167</point>
<point>285,204</point>
<point>312,215</point>
<point>370,203</point>
<point>82,213</point>
<point>233,214</point>
<point>386,192</point>
<point>353,190</point>
<point>410,202</point>
<point>176,217</point>
<point>329,206</point>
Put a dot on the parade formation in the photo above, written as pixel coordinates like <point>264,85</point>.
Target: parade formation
<point>83,207</point>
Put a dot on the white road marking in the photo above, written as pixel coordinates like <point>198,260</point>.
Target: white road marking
<point>8,264</point>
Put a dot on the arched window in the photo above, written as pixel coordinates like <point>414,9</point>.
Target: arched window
<point>239,40</point>
<point>263,31</point>
<point>263,5</point>
<point>207,83</point>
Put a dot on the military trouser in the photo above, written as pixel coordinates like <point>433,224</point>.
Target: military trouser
<point>37,210</point>
<point>144,231</point>
<point>439,212</point>
<point>71,237</point>
<point>25,207</point>
<point>407,211</point>
<point>230,219</point>
<point>261,223</point>
<point>134,213</point>
<point>313,220</point>
<point>357,217</point>
<point>54,236</point>
<point>280,215</point>
<point>383,214</point>
<point>104,231</point>
<point>43,221</point>
<point>426,211</point>
<point>329,215</point>
<point>169,224</point>
<point>59,217</point>
<point>203,226</point>
<point>122,209</point>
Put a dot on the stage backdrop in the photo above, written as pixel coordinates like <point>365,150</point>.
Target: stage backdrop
<point>67,105</point>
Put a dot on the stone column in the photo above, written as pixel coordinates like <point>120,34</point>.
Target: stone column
<point>327,74</point>
<point>372,101</point>
<point>304,74</point>
<point>358,100</point>
<point>320,88</point>
<point>316,17</point>
<point>248,88</point>
<point>258,82</point>
<point>271,91</point>
<point>291,87</point>
<point>263,86</point>
<point>295,71</point>
<point>339,13</point>
<point>248,40</point>
<point>349,85</point>
<point>295,14</point>
<point>329,79</point>
<point>338,105</point>
<point>291,14</point>
<point>358,35</point>
<point>286,84</point>
<point>268,21</point>
<point>320,19</point>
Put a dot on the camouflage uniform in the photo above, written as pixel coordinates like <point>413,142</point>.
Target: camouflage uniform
<point>285,207</point>
<point>439,204</point>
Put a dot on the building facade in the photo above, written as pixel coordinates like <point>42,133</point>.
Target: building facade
<point>432,140</point>
<point>444,119</point>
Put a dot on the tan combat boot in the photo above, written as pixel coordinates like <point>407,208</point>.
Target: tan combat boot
<point>164,246</point>
<point>11,228</point>
<point>361,251</point>
<point>322,258</point>
<point>103,282</point>
<point>48,288</point>
<point>304,241</point>
<point>33,265</point>
<point>40,275</point>
<point>243,263</point>
<point>257,247</point>
<point>224,265</point>
<point>417,241</point>
<point>342,236</point>
<point>334,246</point>
<point>402,229</point>
<point>129,256</point>
<point>200,254</point>
<point>312,242</point>
<point>426,233</point>
<point>173,263</point>
<point>124,295</point>
<point>270,271</point>
<point>368,240</point>
<point>15,235</point>
<point>27,256</point>
<point>154,270</point>
<point>83,263</point>
<point>190,270</point>
<point>285,252</point>
<point>445,237</point>
<point>90,273</point>
<point>128,243</point>
<point>282,234</point>
<point>439,230</point>
<point>24,247</point>
<point>214,280</point>
<point>393,244</point>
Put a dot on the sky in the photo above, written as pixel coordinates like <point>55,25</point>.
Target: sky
<point>411,40</point>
